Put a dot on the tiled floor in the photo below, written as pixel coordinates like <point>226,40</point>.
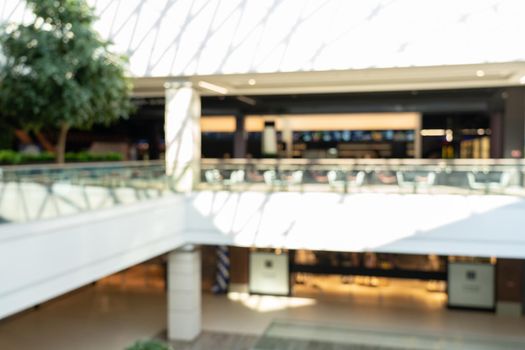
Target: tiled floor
<point>110,317</point>
<point>86,320</point>
<point>300,335</point>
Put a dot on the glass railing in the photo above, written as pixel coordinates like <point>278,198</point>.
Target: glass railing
<point>460,176</point>
<point>109,174</point>
<point>35,192</point>
<point>306,335</point>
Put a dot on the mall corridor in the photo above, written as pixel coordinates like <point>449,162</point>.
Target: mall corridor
<point>123,308</point>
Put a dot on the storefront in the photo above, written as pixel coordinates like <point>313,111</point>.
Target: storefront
<point>435,281</point>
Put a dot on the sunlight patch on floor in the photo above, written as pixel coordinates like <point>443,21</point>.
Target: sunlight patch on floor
<point>268,303</point>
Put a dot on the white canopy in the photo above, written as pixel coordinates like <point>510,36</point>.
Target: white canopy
<point>188,37</point>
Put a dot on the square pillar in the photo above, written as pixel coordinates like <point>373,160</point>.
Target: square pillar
<point>239,140</point>
<point>182,135</point>
<point>496,137</point>
<point>184,294</point>
<point>514,123</point>
<point>287,133</point>
<point>510,287</point>
<point>239,269</point>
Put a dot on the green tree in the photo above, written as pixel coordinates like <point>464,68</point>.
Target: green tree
<point>57,72</point>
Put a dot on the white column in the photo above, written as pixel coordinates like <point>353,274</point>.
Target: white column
<point>287,133</point>
<point>184,294</point>
<point>182,134</point>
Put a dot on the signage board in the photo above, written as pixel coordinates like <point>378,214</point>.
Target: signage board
<point>269,273</point>
<point>471,285</point>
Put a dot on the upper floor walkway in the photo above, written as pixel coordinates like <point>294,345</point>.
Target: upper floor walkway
<point>73,225</point>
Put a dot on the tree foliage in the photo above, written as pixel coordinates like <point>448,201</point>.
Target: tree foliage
<point>56,71</point>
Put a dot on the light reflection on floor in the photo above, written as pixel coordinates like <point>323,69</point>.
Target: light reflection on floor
<point>267,303</point>
<point>146,276</point>
<point>374,291</point>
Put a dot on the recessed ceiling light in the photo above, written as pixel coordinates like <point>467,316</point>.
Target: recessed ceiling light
<point>480,73</point>
<point>433,132</point>
<point>251,82</point>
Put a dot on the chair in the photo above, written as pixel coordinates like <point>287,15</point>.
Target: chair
<point>339,178</point>
<point>488,184</point>
<point>212,177</point>
<point>335,177</point>
<point>236,177</point>
<point>416,180</point>
<point>295,179</point>
<point>357,180</point>
<point>270,177</point>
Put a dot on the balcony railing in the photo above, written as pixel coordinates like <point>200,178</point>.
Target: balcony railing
<point>459,176</point>
<point>44,191</point>
<point>35,192</point>
<point>107,174</point>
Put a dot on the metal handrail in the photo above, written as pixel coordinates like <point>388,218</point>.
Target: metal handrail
<point>281,161</point>
<point>65,166</point>
<point>367,162</point>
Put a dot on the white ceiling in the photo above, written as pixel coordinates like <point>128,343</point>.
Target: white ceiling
<point>356,80</point>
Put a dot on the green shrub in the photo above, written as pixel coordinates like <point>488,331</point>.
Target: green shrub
<point>93,157</point>
<point>44,157</point>
<point>9,157</point>
<point>113,156</point>
<point>149,345</point>
<point>77,157</point>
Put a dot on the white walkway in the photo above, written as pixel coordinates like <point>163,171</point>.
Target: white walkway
<point>58,255</point>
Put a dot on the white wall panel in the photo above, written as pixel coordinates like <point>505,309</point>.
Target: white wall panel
<point>44,259</point>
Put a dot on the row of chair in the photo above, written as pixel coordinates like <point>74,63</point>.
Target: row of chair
<point>270,177</point>
<point>214,176</point>
<point>341,179</point>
